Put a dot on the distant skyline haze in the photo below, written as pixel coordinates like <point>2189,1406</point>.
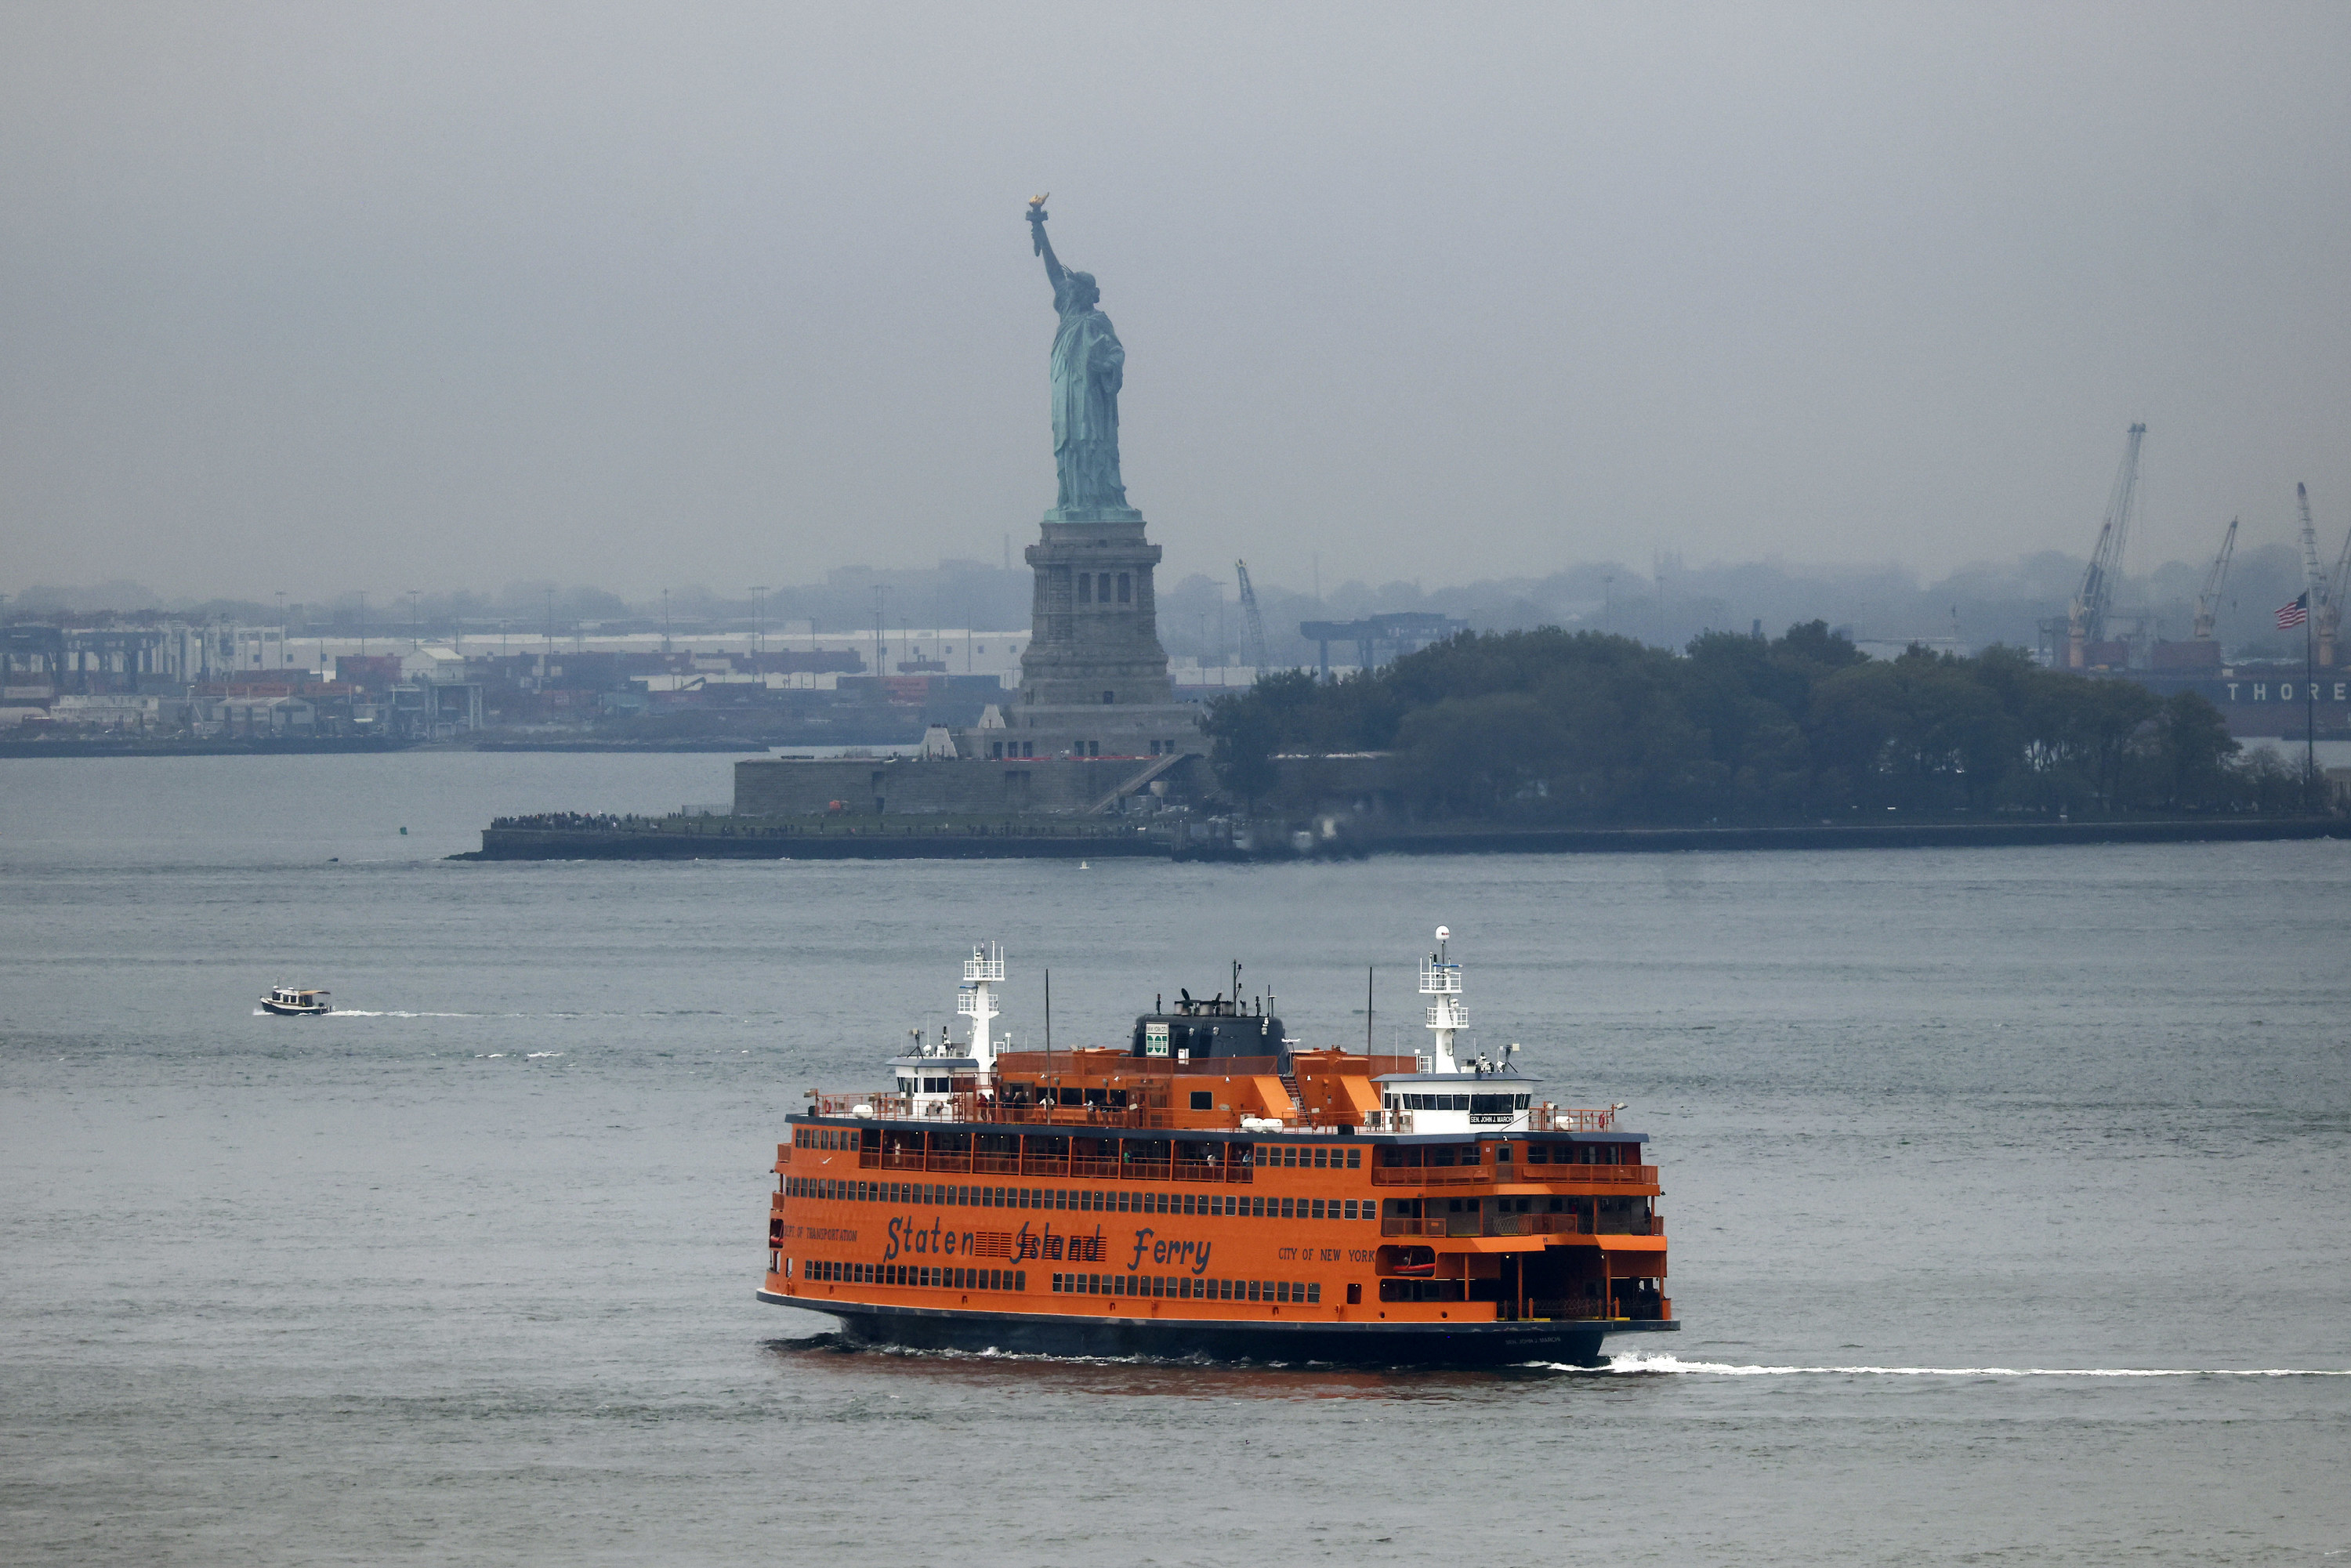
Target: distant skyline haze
<point>329,296</point>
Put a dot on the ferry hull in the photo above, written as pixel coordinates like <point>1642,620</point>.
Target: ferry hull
<point>1352,1344</point>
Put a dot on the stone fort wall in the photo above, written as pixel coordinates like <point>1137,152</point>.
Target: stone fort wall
<point>778,787</point>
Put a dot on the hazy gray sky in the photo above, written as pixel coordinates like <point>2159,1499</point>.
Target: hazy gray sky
<point>319,297</point>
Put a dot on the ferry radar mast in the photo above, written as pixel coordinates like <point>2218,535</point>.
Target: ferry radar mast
<point>1447,1014</point>
<point>975,999</point>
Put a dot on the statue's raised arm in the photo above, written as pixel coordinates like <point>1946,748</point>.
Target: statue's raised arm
<point>1040,244</point>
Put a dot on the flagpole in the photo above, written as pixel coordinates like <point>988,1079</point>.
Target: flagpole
<point>2309,707</point>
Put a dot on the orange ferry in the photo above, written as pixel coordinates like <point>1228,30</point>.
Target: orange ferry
<point>1213,1188</point>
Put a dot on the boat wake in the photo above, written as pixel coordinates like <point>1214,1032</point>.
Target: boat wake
<point>403,1013</point>
<point>1637,1362</point>
<point>363,1013</point>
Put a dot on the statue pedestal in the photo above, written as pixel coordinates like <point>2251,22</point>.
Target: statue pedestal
<point>1094,679</point>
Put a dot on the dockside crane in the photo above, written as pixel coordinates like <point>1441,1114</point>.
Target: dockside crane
<point>2313,576</point>
<point>2086,617</point>
<point>1258,658</point>
<point>2207,598</point>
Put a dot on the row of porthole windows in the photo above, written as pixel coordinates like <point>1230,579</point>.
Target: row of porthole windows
<point>822,1270</point>
<point>1183,1288</point>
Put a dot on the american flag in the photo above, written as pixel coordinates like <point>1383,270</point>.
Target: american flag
<point>2292,615</point>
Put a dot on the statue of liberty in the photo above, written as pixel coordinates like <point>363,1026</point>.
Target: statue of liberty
<point>1089,368</point>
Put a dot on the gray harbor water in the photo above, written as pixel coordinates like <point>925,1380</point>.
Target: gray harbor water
<point>2008,1190</point>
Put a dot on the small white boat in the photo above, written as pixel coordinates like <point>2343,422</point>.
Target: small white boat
<point>290,1001</point>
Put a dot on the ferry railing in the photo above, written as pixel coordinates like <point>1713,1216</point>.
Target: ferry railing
<point>1572,1225</point>
<point>1476,1175</point>
<point>1589,1309</point>
<point>895,1106</point>
<point>1595,1176</point>
<point>1118,1064</point>
<point>1450,1225</point>
<point>1430,1175</point>
<point>1409,1227</point>
<point>1560,1119</point>
<point>937,1163</point>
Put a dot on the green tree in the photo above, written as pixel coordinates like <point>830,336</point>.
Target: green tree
<point>2191,751</point>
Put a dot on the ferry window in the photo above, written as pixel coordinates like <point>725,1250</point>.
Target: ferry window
<point>1315,1294</point>
<point>1020,1279</point>
<point>1203,1099</point>
<point>1317,1209</point>
<point>1354,1295</point>
<point>1281,1290</point>
<point>1286,1213</point>
<point>1354,1159</point>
